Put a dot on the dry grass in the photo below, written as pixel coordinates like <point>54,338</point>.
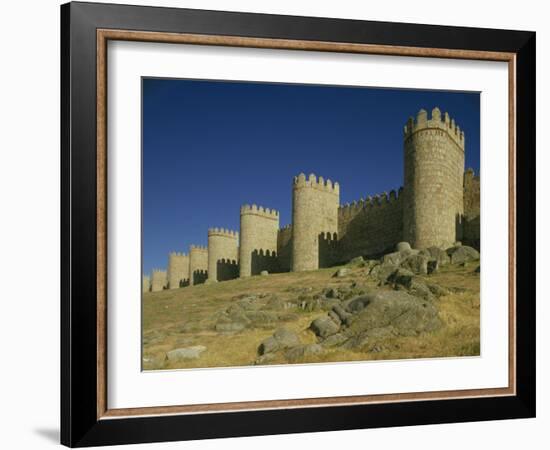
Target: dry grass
<point>186,317</point>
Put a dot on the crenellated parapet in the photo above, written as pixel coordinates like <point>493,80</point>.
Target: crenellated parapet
<point>320,184</point>
<point>260,211</point>
<point>436,122</point>
<point>178,254</point>
<point>223,232</point>
<point>198,248</point>
<point>364,204</point>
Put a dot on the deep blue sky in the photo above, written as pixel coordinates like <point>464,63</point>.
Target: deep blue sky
<point>209,147</point>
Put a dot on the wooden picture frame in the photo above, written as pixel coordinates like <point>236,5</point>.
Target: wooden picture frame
<point>86,418</point>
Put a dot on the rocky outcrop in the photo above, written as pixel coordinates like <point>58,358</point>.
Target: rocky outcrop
<point>282,339</point>
<point>182,354</point>
<point>462,254</point>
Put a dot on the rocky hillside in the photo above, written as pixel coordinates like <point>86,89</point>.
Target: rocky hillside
<point>408,304</point>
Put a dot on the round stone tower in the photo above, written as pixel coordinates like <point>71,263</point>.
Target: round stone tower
<point>198,264</point>
<point>178,269</point>
<point>158,280</point>
<point>259,227</point>
<point>434,173</point>
<point>314,214</point>
<point>223,253</point>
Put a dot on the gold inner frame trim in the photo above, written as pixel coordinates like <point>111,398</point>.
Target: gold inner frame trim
<point>103,36</point>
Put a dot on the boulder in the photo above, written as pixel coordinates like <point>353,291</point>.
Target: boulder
<point>341,313</point>
<point>408,315</point>
<point>438,254</point>
<point>462,254</point>
<point>369,337</point>
<point>335,317</point>
<point>281,340</point>
<point>396,258</point>
<point>433,266</point>
<point>264,273</point>
<point>416,263</point>
<point>341,272</point>
<point>268,345</point>
<point>334,340</point>
<point>437,290</point>
<point>301,351</point>
<point>357,304</point>
<point>229,327</point>
<point>383,271</point>
<point>401,246</point>
<point>327,304</point>
<point>358,260</point>
<point>324,327</point>
<point>420,289</point>
<point>402,277</point>
<point>182,354</point>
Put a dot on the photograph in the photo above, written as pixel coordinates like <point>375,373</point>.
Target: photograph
<point>307,224</point>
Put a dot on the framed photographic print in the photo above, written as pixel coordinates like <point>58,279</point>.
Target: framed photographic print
<point>277,224</point>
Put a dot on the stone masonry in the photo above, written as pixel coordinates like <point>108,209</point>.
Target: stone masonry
<point>223,254</point>
<point>158,280</point>
<point>258,246</point>
<point>178,270</point>
<point>198,264</point>
<point>438,205</point>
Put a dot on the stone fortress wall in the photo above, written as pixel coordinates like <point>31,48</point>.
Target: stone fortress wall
<point>471,220</point>
<point>370,226</point>
<point>438,205</point>
<point>223,254</point>
<point>258,246</point>
<point>178,270</point>
<point>284,248</point>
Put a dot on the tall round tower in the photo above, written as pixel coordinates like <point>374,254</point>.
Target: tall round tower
<point>198,264</point>
<point>259,228</point>
<point>223,253</point>
<point>178,269</point>
<point>434,174</point>
<point>314,215</point>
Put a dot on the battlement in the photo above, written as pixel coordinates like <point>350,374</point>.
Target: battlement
<point>178,254</point>
<point>316,183</point>
<point>286,228</point>
<point>224,232</point>
<point>162,271</point>
<point>260,211</point>
<point>370,202</point>
<point>437,122</point>
<point>198,248</point>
